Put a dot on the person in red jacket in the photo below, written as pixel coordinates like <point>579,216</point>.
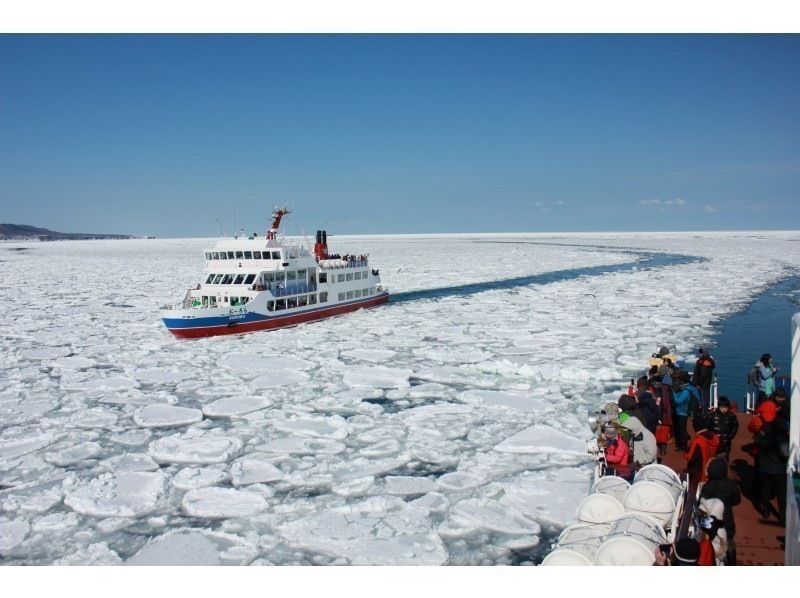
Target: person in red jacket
<point>704,445</point>
<point>616,452</point>
<point>708,531</point>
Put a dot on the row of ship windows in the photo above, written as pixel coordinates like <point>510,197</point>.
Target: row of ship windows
<point>357,293</point>
<point>211,301</point>
<point>290,275</point>
<point>230,278</point>
<point>311,299</point>
<point>243,255</point>
<point>358,275</point>
<point>299,301</point>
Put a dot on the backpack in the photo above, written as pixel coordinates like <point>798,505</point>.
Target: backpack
<point>754,376</point>
<point>663,434</point>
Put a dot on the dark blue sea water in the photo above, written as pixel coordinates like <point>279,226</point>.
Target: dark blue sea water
<point>764,327</point>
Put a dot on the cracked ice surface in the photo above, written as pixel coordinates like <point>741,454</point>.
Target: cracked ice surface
<point>445,427</point>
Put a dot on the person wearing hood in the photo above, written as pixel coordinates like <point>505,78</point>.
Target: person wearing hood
<point>713,526</point>
<point>772,441</point>
<point>628,407</point>
<point>644,444</point>
<point>703,446</point>
<point>726,490</point>
<point>616,452</point>
<point>703,376</point>
<point>648,406</point>
<point>724,423</point>
<point>783,406</point>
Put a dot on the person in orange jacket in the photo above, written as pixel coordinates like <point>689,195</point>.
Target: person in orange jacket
<point>704,445</point>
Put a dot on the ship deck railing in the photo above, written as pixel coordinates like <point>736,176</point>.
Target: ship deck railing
<point>342,264</point>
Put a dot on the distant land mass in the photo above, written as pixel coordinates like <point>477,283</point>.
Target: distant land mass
<point>25,232</point>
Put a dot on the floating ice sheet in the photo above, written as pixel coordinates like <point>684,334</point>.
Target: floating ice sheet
<point>542,439</point>
<point>200,449</point>
<point>379,531</point>
<point>380,402</point>
<point>222,503</point>
<point>166,416</point>
<point>196,547</point>
<point>254,469</point>
<point>129,494</point>
<point>235,406</point>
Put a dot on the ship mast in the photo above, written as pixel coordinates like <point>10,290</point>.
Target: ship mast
<point>277,214</point>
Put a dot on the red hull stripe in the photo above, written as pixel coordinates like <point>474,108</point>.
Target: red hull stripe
<point>282,322</point>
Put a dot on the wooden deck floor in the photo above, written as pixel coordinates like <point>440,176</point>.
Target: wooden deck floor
<point>757,542</point>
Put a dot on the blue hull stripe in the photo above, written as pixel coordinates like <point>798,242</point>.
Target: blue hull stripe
<point>173,323</point>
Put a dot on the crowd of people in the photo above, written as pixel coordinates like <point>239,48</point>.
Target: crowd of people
<point>657,408</point>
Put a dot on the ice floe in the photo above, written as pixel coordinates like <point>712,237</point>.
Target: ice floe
<point>254,469</point>
<point>166,416</point>
<point>130,462</point>
<point>333,427</point>
<point>376,377</point>
<point>407,485</point>
<point>200,449</point>
<point>12,533</point>
<point>441,428</point>
<point>222,503</point>
<point>542,439</point>
<point>74,454</point>
<point>235,406</point>
<point>378,531</point>
<point>196,547</point>
<point>190,478</point>
<point>128,494</point>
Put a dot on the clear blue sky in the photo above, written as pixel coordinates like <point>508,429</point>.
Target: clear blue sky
<point>391,134</point>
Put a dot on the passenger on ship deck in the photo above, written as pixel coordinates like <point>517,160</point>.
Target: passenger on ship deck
<point>715,529</point>
<point>628,407</point>
<point>647,404</point>
<point>703,376</point>
<point>643,443</point>
<point>783,411</point>
<point>772,441</point>
<point>719,486</point>
<point>616,453</point>
<point>724,423</point>
<point>707,534</point>
<point>680,416</point>
<point>766,376</point>
<point>703,446</point>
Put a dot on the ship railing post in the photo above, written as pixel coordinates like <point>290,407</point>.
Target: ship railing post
<point>714,393</point>
<point>792,542</point>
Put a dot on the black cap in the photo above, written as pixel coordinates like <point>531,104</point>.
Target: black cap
<point>687,551</point>
<point>699,423</point>
<point>723,402</point>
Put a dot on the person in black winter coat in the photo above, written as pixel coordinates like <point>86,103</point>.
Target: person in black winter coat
<point>703,376</point>
<point>773,453</point>
<point>647,405</point>
<point>724,423</point>
<point>783,412</point>
<point>719,486</point>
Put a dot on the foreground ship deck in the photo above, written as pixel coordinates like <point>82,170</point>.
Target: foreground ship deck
<point>262,284</point>
<point>758,542</point>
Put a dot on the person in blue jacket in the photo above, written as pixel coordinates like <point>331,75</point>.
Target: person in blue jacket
<point>681,397</point>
